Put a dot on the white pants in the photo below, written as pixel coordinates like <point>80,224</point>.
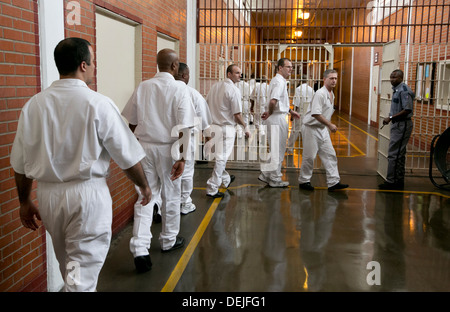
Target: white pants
<point>157,166</point>
<point>277,120</point>
<point>78,217</point>
<point>317,141</point>
<point>222,153</point>
<point>295,133</point>
<point>187,180</point>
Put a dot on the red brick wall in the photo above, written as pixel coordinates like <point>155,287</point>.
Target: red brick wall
<point>22,252</point>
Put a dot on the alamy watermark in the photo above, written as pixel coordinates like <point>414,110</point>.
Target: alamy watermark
<point>73,276</point>
<point>374,276</point>
<point>74,15</point>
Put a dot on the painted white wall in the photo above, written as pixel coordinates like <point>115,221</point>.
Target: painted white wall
<point>51,31</point>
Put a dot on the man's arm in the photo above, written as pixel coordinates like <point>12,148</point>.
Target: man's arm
<point>28,211</point>
<point>323,120</point>
<point>240,120</point>
<point>272,105</point>
<point>137,176</point>
<point>399,115</point>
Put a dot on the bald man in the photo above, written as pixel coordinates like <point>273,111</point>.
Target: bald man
<point>159,107</point>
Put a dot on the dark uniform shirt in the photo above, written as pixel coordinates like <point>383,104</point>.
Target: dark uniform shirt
<point>402,98</point>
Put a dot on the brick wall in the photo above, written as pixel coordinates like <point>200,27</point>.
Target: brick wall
<point>22,252</point>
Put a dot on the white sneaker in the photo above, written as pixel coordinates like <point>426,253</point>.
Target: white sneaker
<point>185,209</point>
<point>262,178</point>
<point>278,183</point>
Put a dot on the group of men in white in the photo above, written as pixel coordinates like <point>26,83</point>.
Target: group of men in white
<point>156,151</point>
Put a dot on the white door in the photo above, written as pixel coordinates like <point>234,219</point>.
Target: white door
<point>390,62</point>
<point>118,57</point>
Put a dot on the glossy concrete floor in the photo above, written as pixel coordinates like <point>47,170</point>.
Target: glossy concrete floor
<point>260,239</point>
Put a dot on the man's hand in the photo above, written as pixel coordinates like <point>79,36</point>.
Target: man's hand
<point>333,127</point>
<point>29,213</point>
<point>177,170</point>
<point>386,120</point>
<point>146,192</point>
<point>265,115</point>
<point>294,114</point>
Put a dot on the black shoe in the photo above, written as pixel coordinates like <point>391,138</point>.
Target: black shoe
<point>232,178</point>
<point>143,263</point>
<point>156,215</point>
<point>179,242</point>
<point>338,186</point>
<point>217,195</point>
<point>391,186</point>
<point>306,186</point>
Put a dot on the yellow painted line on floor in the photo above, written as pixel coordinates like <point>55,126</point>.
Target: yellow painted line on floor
<point>353,145</point>
<point>187,254</point>
<point>358,128</point>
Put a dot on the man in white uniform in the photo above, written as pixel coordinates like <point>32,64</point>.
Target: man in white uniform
<point>316,136</point>
<point>244,88</point>
<point>302,98</point>
<point>159,112</point>
<point>275,119</point>
<point>224,104</point>
<point>65,139</point>
<point>258,100</point>
<point>204,118</point>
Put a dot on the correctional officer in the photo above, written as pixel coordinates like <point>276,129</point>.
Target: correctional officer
<point>302,98</point>
<point>316,136</point>
<point>65,139</point>
<point>159,112</point>
<point>204,120</point>
<point>401,129</point>
<point>226,111</point>
<point>275,119</point>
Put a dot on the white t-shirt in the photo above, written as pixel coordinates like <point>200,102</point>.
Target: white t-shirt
<point>157,106</point>
<point>259,94</point>
<point>224,101</point>
<point>303,94</point>
<point>278,91</point>
<point>70,132</point>
<point>322,104</point>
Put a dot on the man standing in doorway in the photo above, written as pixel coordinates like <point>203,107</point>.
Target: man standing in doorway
<point>158,107</point>
<point>65,139</point>
<point>275,119</point>
<point>316,136</point>
<point>224,101</point>
<point>401,129</point>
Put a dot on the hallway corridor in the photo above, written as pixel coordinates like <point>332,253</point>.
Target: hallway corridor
<point>260,239</point>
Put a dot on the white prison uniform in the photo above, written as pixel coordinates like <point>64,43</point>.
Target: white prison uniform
<point>259,96</point>
<point>159,106</point>
<point>204,118</point>
<point>245,90</point>
<point>317,141</point>
<point>276,122</point>
<point>65,139</point>
<point>302,98</point>
<point>224,102</point>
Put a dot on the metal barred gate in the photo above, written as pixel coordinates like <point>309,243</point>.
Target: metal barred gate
<point>257,62</point>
